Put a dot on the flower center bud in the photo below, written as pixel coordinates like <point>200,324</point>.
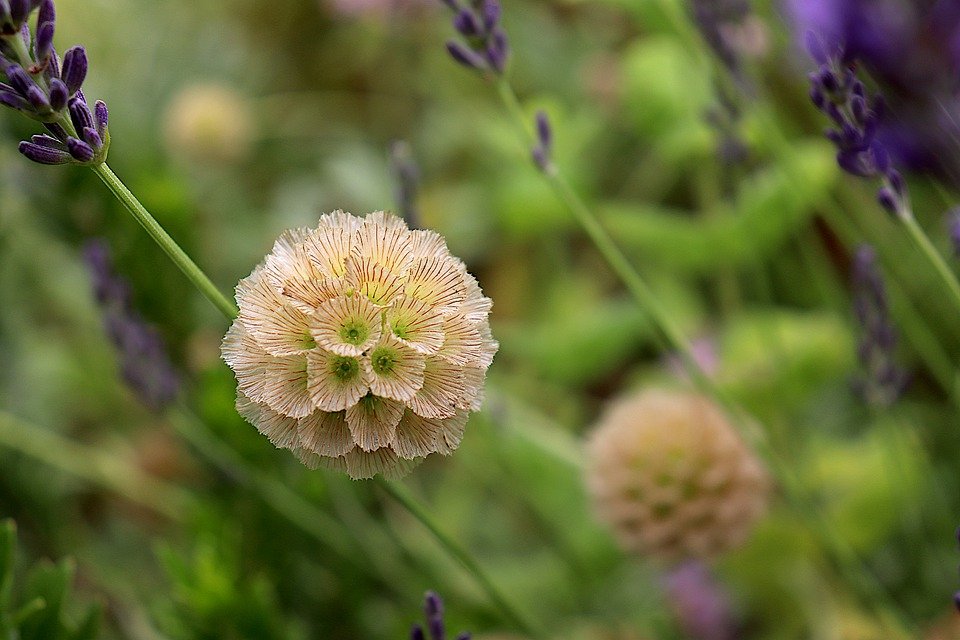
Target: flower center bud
<point>344,368</point>
<point>383,361</point>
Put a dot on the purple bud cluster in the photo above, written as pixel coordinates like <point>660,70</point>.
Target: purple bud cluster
<point>543,150</point>
<point>702,609</point>
<point>836,91</point>
<point>714,19</point>
<point>484,45</point>
<point>47,89</point>
<point>433,608</point>
<point>144,363</point>
<point>882,380</point>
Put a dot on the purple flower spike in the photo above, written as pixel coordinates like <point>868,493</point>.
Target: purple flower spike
<point>815,47</point>
<point>80,150</point>
<point>58,94</point>
<point>74,68</point>
<point>416,633</point>
<point>42,154</point>
<point>465,56</point>
<point>491,14</point>
<point>544,131</point>
<point>498,50</point>
<point>467,23</point>
<point>433,608</point>
<point>80,114</point>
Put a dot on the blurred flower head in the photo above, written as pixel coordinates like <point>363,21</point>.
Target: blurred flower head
<point>672,478</point>
<point>209,123</point>
<point>360,345</point>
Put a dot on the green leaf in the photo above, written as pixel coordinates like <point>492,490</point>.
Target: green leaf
<point>51,582</point>
<point>89,626</point>
<point>8,545</point>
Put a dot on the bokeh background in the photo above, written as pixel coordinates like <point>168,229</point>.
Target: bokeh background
<point>233,121</point>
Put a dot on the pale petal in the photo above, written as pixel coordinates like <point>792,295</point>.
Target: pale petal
<point>280,430</point>
<point>279,328</point>
<point>416,324</point>
<point>306,294</point>
<point>329,246</point>
<point>417,437</point>
<point>427,244</point>
<point>366,464</point>
<point>436,280</point>
<point>375,281</point>
<point>324,433</point>
<point>308,458</point>
<point>384,239</point>
<point>472,397</point>
<point>285,389</point>
<point>373,420</point>
<point>347,326</point>
<point>335,382</point>
<point>488,346</point>
<point>463,343</point>
<point>443,387</point>
<point>451,432</point>
<point>248,361</point>
<point>393,370</point>
<point>475,307</point>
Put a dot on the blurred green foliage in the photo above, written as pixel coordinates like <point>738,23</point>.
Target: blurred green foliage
<point>751,260</point>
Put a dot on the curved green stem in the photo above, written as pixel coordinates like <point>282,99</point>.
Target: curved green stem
<point>163,239</point>
<point>451,546</point>
<point>922,241</point>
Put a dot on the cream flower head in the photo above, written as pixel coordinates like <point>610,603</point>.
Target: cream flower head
<point>672,477</point>
<point>360,345</point>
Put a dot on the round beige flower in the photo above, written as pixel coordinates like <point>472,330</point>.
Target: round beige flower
<point>209,124</point>
<point>671,476</point>
<point>360,345</point>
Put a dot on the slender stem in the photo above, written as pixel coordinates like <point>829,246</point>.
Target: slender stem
<point>94,466</point>
<point>418,511</point>
<point>922,241</point>
<point>168,244</point>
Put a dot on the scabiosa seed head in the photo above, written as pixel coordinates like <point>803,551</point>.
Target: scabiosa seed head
<point>360,345</point>
<point>672,478</point>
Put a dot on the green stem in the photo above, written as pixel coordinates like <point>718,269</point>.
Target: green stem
<point>93,465</point>
<point>418,511</point>
<point>922,241</point>
<point>163,239</point>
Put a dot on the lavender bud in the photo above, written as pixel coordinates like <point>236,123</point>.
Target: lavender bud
<point>19,10</point>
<point>544,132</point>
<point>47,141</point>
<point>43,155</point>
<point>91,137</point>
<point>13,100</point>
<point>498,50</point>
<point>828,80</point>
<point>19,79</point>
<point>834,113</point>
<point>491,14</point>
<point>858,89</point>
<point>432,604</point>
<point>956,600</point>
<point>416,633</point>
<point>437,632</point>
<point>74,68</point>
<point>80,114</point>
<point>25,34</point>
<point>58,94</point>
<point>58,131</point>
<point>47,13</point>
<point>43,46</point>
<point>102,116</point>
<point>53,65</point>
<point>465,56</point>
<point>888,200</point>
<point>815,47</point>
<point>817,97</point>
<point>540,158</point>
<point>80,150</point>
<point>858,107</point>
<point>466,23</point>
<point>464,636</point>
<point>38,99</point>
<point>897,182</point>
<point>851,162</point>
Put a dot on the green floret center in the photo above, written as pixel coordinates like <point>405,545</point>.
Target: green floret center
<point>344,368</point>
<point>384,360</point>
<point>400,330</point>
<point>354,332</point>
<point>307,341</point>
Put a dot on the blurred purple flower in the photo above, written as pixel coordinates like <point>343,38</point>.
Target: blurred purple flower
<point>484,45</point>
<point>881,379</point>
<point>702,609</point>
<point>433,608</point>
<point>912,49</point>
<point>704,352</point>
<point>144,364</point>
